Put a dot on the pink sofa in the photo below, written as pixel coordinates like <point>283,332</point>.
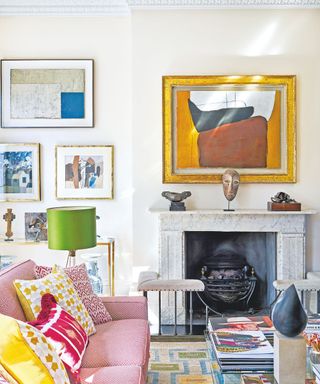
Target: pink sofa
<point>119,351</point>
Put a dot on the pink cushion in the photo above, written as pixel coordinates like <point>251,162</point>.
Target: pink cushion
<point>9,303</point>
<point>112,375</point>
<point>65,333</point>
<point>120,342</point>
<point>79,276</point>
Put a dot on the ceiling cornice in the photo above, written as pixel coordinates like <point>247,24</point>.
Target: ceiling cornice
<point>123,7</point>
<point>63,7</point>
<point>220,4</point>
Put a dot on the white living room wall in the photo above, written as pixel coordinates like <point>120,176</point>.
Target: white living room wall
<point>215,43</point>
<point>131,55</point>
<point>108,42</point>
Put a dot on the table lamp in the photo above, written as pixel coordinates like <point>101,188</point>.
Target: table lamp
<point>71,228</point>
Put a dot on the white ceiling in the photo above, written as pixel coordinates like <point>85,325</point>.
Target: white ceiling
<point>124,7</point>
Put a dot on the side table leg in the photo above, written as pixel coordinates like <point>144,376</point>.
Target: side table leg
<point>109,269</point>
<point>191,312</point>
<point>159,312</point>
<point>175,312</point>
<point>112,273</point>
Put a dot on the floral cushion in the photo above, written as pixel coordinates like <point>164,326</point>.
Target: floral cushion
<point>60,286</point>
<point>27,356</point>
<point>63,331</point>
<point>79,276</point>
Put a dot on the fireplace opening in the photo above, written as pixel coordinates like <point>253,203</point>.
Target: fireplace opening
<point>237,269</point>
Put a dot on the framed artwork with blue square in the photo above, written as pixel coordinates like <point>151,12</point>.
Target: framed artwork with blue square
<point>47,93</point>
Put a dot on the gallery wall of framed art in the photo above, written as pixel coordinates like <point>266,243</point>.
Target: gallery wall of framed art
<point>51,94</point>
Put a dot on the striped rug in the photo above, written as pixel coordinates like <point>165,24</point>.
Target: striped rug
<point>179,363</point>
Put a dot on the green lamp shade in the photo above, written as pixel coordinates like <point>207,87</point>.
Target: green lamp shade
<point>71,228</point>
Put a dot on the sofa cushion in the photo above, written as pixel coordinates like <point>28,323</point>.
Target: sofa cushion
<point>62,288</point>
<point>118,342</point>
<point>63,331</point>
<point>111,375</point>
<point>79,276</point>
<point>9,303</point>
<point>27,355</point>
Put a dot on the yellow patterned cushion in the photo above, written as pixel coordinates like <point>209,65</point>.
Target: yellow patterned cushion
<point>61,287</point>
<point>27,356</point>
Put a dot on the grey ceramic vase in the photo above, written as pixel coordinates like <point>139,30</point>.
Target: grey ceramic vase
<point>288,316</point>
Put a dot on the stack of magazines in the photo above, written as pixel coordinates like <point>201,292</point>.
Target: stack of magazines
<point>313,325</point>
<point>240,344</point>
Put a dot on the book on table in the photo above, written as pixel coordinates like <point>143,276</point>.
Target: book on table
<point>240,348</point>
<point>313,325</point>
<point>254,379</point>
<point>251,323</point>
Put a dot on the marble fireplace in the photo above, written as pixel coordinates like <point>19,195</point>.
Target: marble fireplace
<point>284,231</point>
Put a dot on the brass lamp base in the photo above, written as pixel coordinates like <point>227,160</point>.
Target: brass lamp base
<point>71,260</point>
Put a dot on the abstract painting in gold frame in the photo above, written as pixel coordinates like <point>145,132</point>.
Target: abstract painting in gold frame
<point>211,123</point>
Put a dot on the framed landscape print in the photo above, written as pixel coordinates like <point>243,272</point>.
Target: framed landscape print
<point>19,172</point>
<point>211,123</point>
<point>84,172</point>
<point>47,93</point>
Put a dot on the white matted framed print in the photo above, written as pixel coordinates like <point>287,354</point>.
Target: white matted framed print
<point>84,172</point>
<point>47,93</point>
<point>19,172</point>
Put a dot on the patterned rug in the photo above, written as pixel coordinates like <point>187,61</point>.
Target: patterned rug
<point>179,363</point>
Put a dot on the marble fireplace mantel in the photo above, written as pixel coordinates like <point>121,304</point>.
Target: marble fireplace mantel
<point>289,227</point>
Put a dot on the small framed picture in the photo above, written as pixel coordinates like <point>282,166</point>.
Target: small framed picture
<point>36,226</point>
<point>84,172</point>
<point>19,172</point>
<point>47,93</point>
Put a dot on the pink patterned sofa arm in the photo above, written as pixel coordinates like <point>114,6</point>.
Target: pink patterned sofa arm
<point>126,307</point>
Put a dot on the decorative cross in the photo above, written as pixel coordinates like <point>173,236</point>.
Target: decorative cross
<point>9,217</point>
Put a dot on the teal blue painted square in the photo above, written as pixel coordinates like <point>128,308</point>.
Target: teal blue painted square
<point>72,105</point>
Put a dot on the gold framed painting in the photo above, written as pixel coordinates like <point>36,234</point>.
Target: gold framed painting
<point>84,171</point>
<point>211,123</point>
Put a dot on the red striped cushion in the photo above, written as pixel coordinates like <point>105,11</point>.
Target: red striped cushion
<point>64,332</point>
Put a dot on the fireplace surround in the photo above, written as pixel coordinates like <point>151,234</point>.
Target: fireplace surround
<point>289,229</point>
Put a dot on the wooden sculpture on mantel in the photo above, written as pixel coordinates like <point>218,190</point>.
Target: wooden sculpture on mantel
<point>230,183</point>
<point>9,217</point>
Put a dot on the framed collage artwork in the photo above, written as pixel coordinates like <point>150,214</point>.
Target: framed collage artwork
<point>47,93</point>
<point>211,123</point>
<point>84,172</point>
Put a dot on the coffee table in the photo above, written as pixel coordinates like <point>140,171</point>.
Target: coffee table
<point>235,378</point>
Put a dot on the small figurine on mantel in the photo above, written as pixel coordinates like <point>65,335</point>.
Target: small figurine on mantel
<point>9,217</point>
<point>176,199</point>
<point>230,183</point>
<point>281,201</point>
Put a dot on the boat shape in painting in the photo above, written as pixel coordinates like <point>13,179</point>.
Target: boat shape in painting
<point>206,120</point>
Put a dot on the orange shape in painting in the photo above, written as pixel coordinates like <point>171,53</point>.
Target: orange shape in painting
<point>274,135</point>
<point>238,145</point>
